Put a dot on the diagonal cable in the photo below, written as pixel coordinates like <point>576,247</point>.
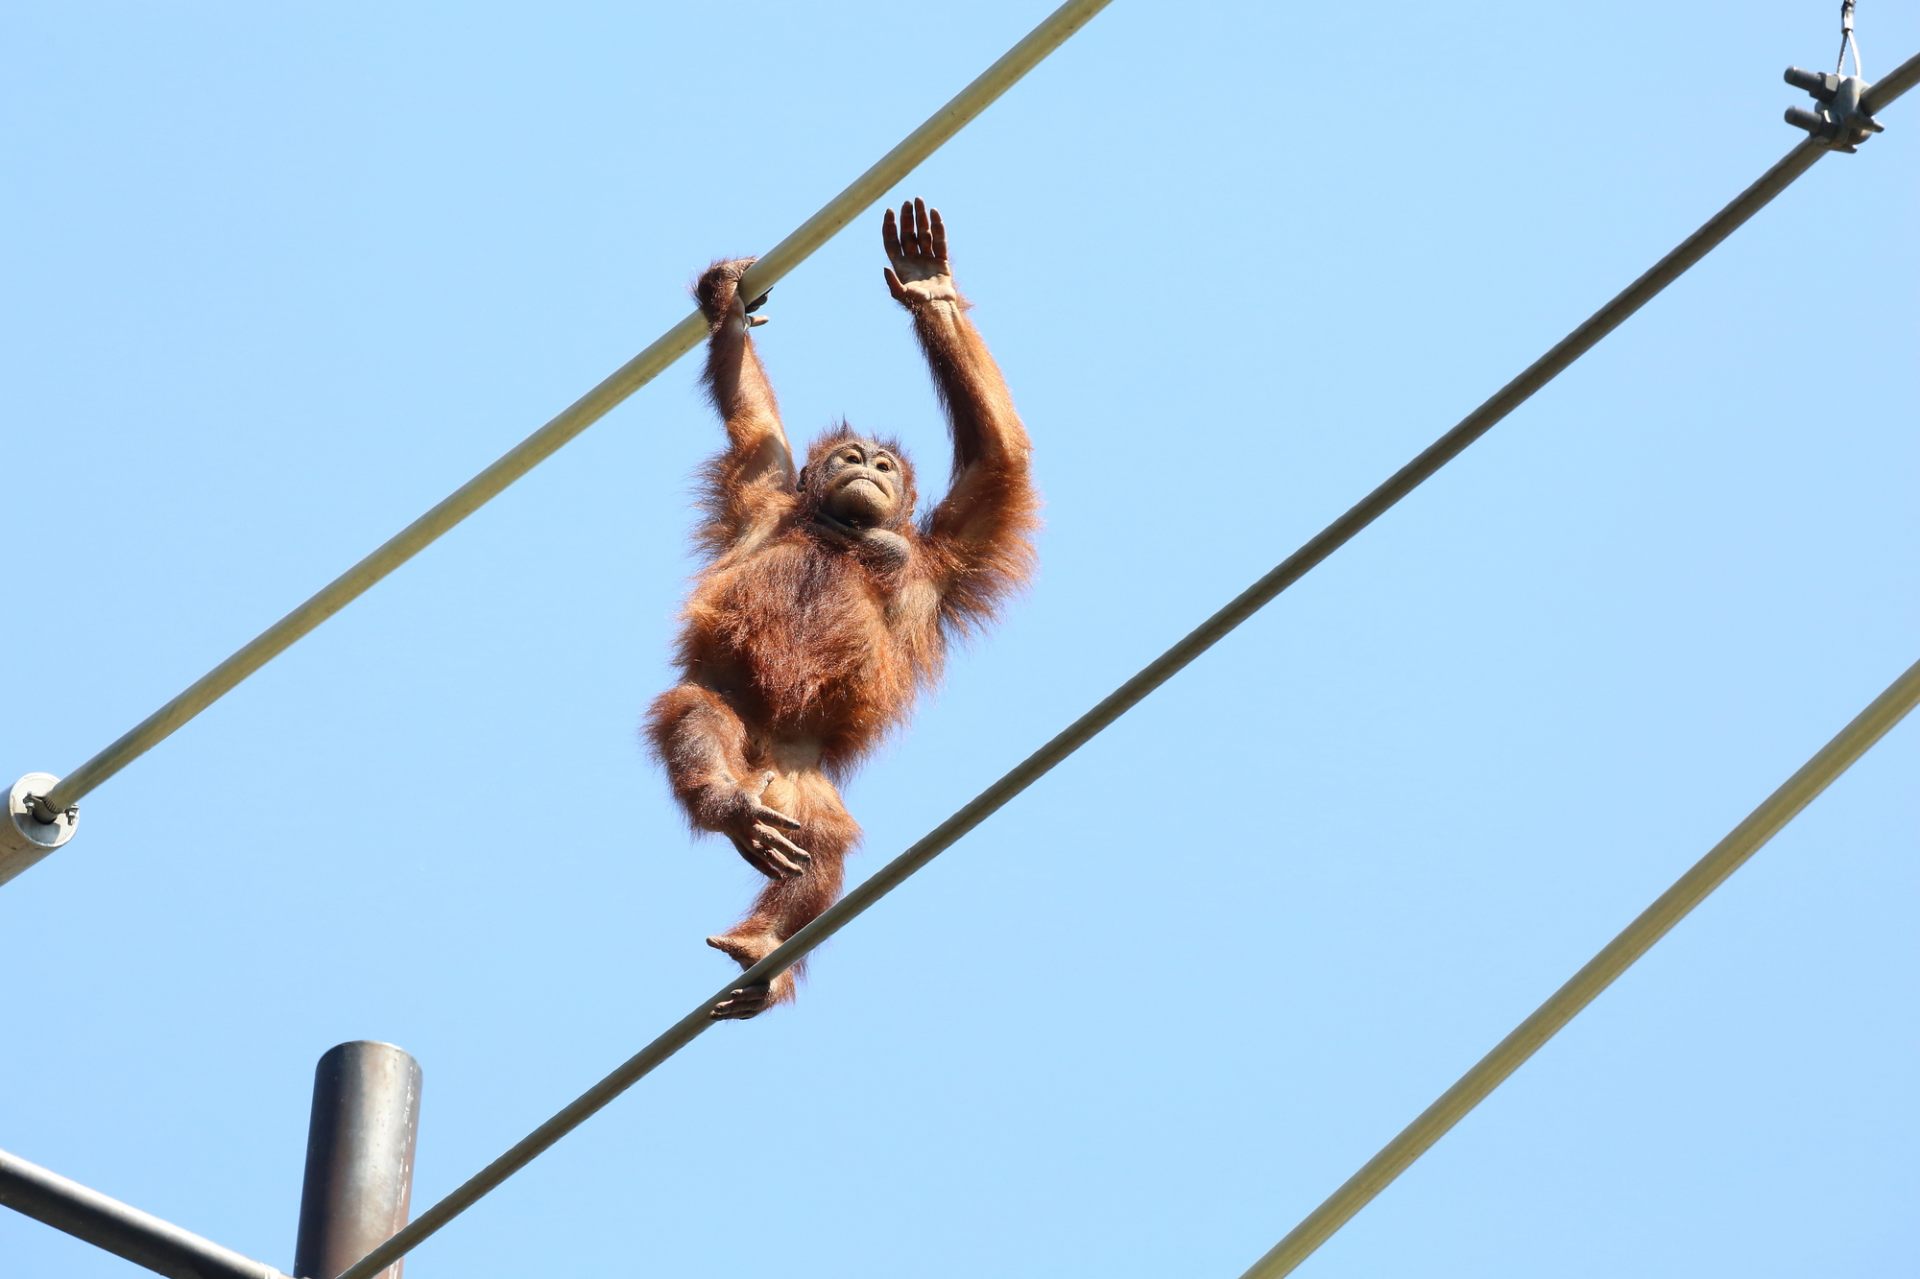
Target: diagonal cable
<point>1128,695</point>
<point>577,417</point>
<point>1633,941</point>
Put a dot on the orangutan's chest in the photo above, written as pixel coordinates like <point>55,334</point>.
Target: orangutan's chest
<point>814,626</point>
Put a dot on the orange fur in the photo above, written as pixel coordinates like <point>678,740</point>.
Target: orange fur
<point>802,645</point>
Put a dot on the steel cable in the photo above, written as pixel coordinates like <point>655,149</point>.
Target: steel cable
<point>1152,676</point>
<point>577,417</point>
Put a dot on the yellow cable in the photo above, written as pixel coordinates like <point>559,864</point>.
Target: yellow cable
<point>1472,1088</point>
<point>582,413</point>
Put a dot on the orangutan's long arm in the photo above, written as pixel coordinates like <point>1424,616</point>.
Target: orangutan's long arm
<point>981,533</point>
<point>751,482</point>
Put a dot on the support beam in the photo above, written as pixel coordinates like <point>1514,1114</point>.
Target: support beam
<point>366,1117</point>
<point>124,1231</point>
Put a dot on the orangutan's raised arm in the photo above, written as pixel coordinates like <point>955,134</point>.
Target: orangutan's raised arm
<point>980,536</point>
<point>752,483</point>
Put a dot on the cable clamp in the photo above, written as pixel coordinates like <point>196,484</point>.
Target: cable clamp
<point>25,836</point>
<point>1837,120</point>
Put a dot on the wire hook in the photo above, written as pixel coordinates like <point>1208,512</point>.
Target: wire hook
<point>1838,120</point>
<point>1847,41</point>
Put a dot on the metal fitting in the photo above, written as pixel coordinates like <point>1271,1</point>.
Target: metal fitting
<point>1838,120</point>
<point>24,837</point>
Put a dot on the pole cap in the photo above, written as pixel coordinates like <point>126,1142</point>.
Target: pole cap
<point>24,838</point>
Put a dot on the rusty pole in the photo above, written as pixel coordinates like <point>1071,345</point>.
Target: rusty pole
<point>366,1116</point>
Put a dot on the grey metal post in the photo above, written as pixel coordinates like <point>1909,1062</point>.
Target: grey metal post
<point>366,1116</point>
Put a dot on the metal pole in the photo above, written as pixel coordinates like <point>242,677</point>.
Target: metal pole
<point>583,413</point>
<point>124,1231</point>
<point>366,1116</point>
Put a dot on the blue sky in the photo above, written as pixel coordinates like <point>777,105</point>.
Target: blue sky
<point>277,281</point>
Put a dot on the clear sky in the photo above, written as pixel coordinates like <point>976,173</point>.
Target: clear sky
<point>277,279</point>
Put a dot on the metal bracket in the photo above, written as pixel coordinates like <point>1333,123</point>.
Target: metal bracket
<point>1838,120</point>
<point>24,837</point>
